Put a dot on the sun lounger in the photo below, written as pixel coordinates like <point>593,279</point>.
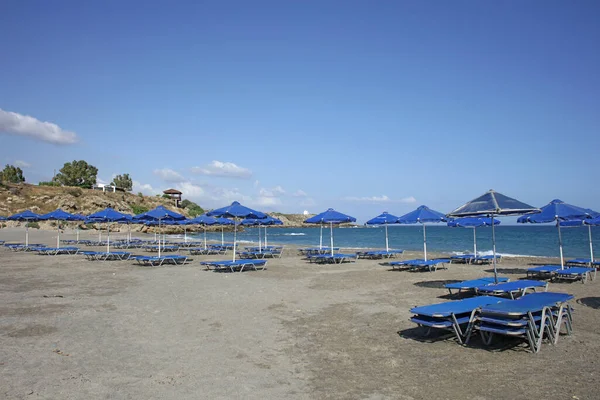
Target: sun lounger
<point>310,251</point>
<point>156,261</point>
<point>378,254</point>
<point>419,265</point>
<point>202,251</point>
<point>54,251</point>
<point>337,258</point>
<point>471,285</point>
<point>529,317</point>
<point>232,266</point>
<point>452,315</point>
<point>486,259</point>
<point>512,289</point>
<point>463,258</point>
<point>543,271</point>
<point>576,273</point>
<point>583,261</point>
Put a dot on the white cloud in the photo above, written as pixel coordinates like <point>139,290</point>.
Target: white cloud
<point>273,192</point>
<point>21,164</point>
<point>380,199</point>
<point>263,201</point>
<point>24,125</point>
<point>190,189</point>
<point>144,188</point>
<point>168,175</point>
<point>307,202</point>
<point>299,193</point>
<point>223,169</point>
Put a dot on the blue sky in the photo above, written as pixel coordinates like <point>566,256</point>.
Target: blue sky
<point>305,105</point>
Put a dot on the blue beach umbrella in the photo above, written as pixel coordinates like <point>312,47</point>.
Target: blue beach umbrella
<point>27,216</point>
<point>160,214</point>
<point>384,219</point>
<point>59,215</point>
<point>329,217</point>
<point>108,215</point>
<point>204,220</point>
<point>236,211</point>
<point>270,221</point>
<point>422,215</point>
<point>473,222</point>
<point>491,204</point>
<point>583,222</point>
<point>261,222</point>
<point>557,211</point>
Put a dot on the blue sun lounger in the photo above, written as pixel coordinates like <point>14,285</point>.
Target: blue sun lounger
<point>471,285</point>
<point>543,271</point>
<point>463,258</point>
<point>237,265</point>
<point>54,251</point>
<point>106,256</point>
<point>337,258</point>
<point>512,289</point>
<point>576,273</point>
<point>451,315</point>
<point>156,261</point>
<point>583,261</point>
<point>418,264</point>
<point>378,254</point>
<point>529,317</point>
<point>486,259</point>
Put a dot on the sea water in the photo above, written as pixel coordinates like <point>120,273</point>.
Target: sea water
<point>519,240</point>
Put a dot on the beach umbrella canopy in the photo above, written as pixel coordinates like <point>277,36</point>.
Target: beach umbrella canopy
<point>473,222</point>
<point>261,222</point>
<point>2,218</point>
<point>384,218</point>
<point>557,211</point>
<point>160,214</point>
<point>108,215</point>
<point>59,215</point>
<point>491,204</point>
<point>27,216</point>
<point>330,216</point>
<point>584,222</point>
<point>422,215</point>
<point>235,211</point>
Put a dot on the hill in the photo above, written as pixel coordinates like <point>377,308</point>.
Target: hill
<point>15,198</point>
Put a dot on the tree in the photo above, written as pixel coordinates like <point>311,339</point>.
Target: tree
<point>77,173</point>
<point>193,209</point>
<point>123,181</point>
<point>12,174</point>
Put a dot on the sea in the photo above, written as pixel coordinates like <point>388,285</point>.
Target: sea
<point>515,241</point>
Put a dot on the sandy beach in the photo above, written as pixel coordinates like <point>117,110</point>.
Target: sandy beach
<point>76,329</point>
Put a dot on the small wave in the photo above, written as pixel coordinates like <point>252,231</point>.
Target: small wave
<point>245,241</point>
<point>294,234</point>
<point>508,255</point>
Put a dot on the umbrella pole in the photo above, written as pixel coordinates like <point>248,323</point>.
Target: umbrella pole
<point>204,226</point>
<point>560,246</point>
<point>26,233</point>
<point>321,238</point>
<point>266,236</point>
<point>77,232</point>
<point>159,237</point>
<point>234,236</point>
<point>475,241</point>
<point>591,246</point>
<point>185,233</point>
<point>128,233</point>
<point>108,238</point>
<point>425,241</point>
<point>259,242</point>
<point>387,247</point>
<point>58,234</point>
<point>494,250</point>
<point>331,236</point>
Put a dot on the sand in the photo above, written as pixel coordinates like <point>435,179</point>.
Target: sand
<point>76,329</point>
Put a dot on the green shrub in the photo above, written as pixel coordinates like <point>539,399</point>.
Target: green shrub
<point>141,195</point>
<point>75,192</point>
<point>51,183</point>
<point>33,225</point>
<point>137,209</point>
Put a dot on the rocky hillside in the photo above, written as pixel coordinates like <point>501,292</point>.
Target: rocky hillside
<point>43,199</point>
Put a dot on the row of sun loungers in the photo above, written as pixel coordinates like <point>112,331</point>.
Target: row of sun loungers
<point>337,258</point>
<point>156,261</point>
<point>531,317</point>
<point>473,259</point>
<point>53,251</point>
<point>378,254</point>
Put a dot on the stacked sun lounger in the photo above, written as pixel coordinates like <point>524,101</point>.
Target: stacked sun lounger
<point>454,316</point>
<point>205,251</point>
<point>583,262</point>
<point>419,264</point>
<point>463,258</point>
<point>23,247</point>
<point>511,289</point>
<point>155,248</point>
<point>336,258</point>
<point>555,272</point>
<point>156,261</point>
<point>237,265</point>
<point>378,254</point>
<point>532,317</point>
<point>485,259</point>
<point>54,251</point>
<point>472,285</point>
<point>106,256</point>
<point>311,251</point>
